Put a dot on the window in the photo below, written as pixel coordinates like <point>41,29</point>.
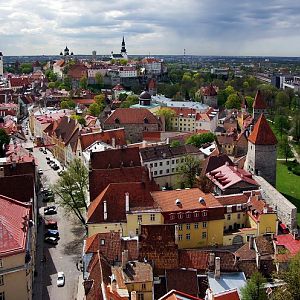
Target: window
<point>173,161</point>
<point>137,231</point>
<point>151,165</point>
<point>188,236</point>
<point>161,163</point>
<point>152,217</point>
<point>177,161</point>
<point>238,216</point>
<point>203,235</point>
<point>1,263</point>
<point>143,286</point>
<point>196,225</point>
<point>204,224</point>
<point>155,172</point>
<point>228,217</point>
<point>188,214</point>
<point>173,170</point>
<point>182,160</point>
<point>229,208</point>
<point>239,207</point>
<point>180,227</point>
<point>2,296</point>
<point>172,216</point>
<point>140,218</point>
<point>102,242</point>
<point>155,164</point>
<point>168,162</point>
<point>180,216</point>
<point>204,213</point>
<point>140,296</point>
<point>1,280</point>
<point>160,172</point>
<point>167,171</point>
<point>188,226</point>
<point>179,237</point>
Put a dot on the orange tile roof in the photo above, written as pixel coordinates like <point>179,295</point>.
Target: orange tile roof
<point>262,133</point>
<point>178,295</point>
<point>189,199</point>
<point>259,102</point>
<point>228,295</point>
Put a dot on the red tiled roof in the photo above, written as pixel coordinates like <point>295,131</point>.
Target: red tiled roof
<point>178,295</point>
<point>105,136</point>
<point>131,116</point>
<point>259,102</point>
<point>193,259</point>
<point>114,195</point>
<point>77,71</point>
<point>209,91</point>
<point>189,200</point>
<point>215,161</point>
<point>118,87</point>
<point>12,220</point>
<point>262,133</point>
<point>233,199</point>
<point>19,81</point>
<point>288,241</point>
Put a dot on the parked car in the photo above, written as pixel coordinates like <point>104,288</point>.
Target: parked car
<point>60,279</point>
<point>51,240</point>
<point>52,232</point>
<point>48,196</point>
<point>50,224</point>
<point>45,151</point>
<point>47,158</point>
<point>55,167</point>
<point>41,149</point>
<point>40,172</point>
<point>50,210</point>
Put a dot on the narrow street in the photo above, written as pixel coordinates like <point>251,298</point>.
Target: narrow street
<point>62,257</point>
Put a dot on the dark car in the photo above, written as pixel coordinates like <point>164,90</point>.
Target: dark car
<point>51,240</point>
<point>52,232</point>
<point>47,158</point>
<point>50,210</point>
<point>41,149</point>
<point>50,224</point>
<point>47,196</point>
<point>55,167</point>
<point>45,151</point>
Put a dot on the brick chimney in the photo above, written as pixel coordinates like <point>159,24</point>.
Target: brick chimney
<point>211,260</point>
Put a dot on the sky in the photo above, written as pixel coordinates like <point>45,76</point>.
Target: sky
<point>202,27</point>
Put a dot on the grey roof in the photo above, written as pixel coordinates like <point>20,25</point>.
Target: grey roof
<point>227,281</point>
<point>166,151</point>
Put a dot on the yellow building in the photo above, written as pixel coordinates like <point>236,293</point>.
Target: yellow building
<point>16,250</point>
<point>199,217</point>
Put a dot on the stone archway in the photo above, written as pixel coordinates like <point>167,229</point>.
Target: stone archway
<point>238,239</point>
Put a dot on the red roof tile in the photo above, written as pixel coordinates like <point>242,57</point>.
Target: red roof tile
<point>259,102</point>
<point>209,91</point>
<point>262,133</point>
<point>12,219</point>
<point>228,295</point>
<point>178,295</point>
<point>288,241</point>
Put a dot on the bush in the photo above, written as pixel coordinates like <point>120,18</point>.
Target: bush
<point>296,170</point>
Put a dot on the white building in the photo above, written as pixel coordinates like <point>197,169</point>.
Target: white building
<point>128,72</point>
<point>58,68</point>
<point>152,65</point>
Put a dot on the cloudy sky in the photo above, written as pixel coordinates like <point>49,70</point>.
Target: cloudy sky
<point>202,27</point>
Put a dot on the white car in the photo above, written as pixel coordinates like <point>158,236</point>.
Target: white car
<point>60,279</point>
<point>40,172</point>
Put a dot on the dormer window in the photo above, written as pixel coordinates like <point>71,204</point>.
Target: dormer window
<point>146,121</point>
<point>204,213</point>
<point>180,215</point>
<point>172,216</point>
<point>188,215</point>
<point>117,121</point>
<point>196,214</point>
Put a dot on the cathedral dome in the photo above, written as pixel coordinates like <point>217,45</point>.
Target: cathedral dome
<point>145,95</point>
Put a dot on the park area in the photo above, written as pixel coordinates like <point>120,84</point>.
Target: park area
<point>288,183</point>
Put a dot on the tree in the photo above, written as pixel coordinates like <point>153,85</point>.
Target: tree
<point>51,75</point>
<point>281,124</point>
<point>130,100</point>
<point>122,96</point>
<point>205,184</point>
<point>94,109</point>
<point>200,139</point>
<point>175,143</point>
<point>284,148</point>
<point>292,278</point>
<point>222,97</point>
<point>254,288</point>
<point>296,126</point>
<point>26,68</point>
<point>4,140</point>
<point>233,101</point>
<point>67,104</point>
<point>282,99</point>
<point>229,90</point>
<point>83,82</point>
<point>168,114</point>
<point>80,119</point>
<point>123,62</point>
<point>188,170</point>
<point>99,79</point>
<point>51,85</point>
<point>71,188</point>
<point>249,101</point>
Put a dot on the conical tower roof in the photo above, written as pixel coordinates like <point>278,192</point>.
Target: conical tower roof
<point>259,102</point>
<point>262,133</point>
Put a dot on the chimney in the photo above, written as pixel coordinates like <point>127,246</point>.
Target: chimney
<point>113,142</point>
<point>127,202</point>
<point>133,295</point>
<point>251,242</point>
<point>113,287</point>
<point>150,173</point>
<point>211,260</point>
<point>251,128</point>
<point>124,259</point>
<point>105,210</point>
<point>217,268</point>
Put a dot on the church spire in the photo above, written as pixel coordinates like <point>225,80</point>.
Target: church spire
<point>123,49</point>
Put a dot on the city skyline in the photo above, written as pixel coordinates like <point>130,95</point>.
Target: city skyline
<point>201,27</point>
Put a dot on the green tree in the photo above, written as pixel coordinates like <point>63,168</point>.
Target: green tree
<point>281,124</point>
<point>168,114</point>
<point>67,104</point>
<point>83,82</point>
<point>51,85</point>
<point>123,61</point>
<point>130,100</point>
<point>99,79</point>
<point>122,96</point>
<point>222,97</point>
<point>94,109</point>
<point>233,101</point>
<point>229,90</point>
<point>200,139</point>
<point>292,278</point>
<point>254,288</point>
<point>175,143</point>
<point>249,101</point>
<point>188,170</point>
<point>51,75</point>
<point>296,126</point>
<point>71,188</point>
<point>26,68</point>
<point>282,99</point>
<point>80,119</point>
<point>100,99</point>
<point>284,148</point>
<point>4,140</point>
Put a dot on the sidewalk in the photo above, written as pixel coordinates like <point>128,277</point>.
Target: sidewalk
<point>80,289</point>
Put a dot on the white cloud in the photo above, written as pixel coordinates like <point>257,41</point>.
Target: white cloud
<point>205,27</point>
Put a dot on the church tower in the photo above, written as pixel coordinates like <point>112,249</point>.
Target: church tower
<point>1,64</point>
<point>259,106</point>
<point>123,49</point>
<point>262,153</point>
